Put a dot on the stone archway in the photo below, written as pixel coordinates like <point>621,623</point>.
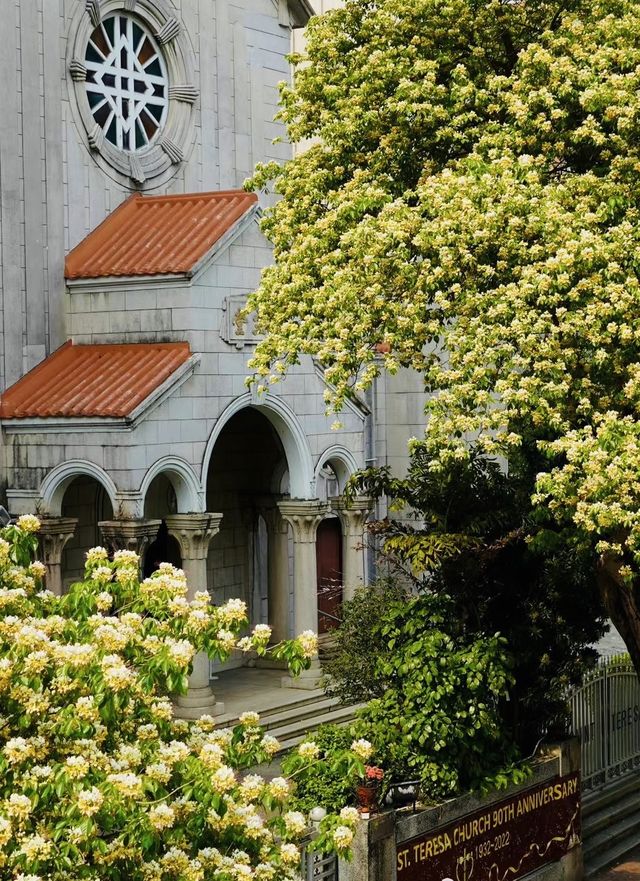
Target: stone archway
<point>247,469</point>
<point>86,500</point>
<point>301,477</point>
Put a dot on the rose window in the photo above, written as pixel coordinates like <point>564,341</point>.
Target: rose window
<point>126,82</point>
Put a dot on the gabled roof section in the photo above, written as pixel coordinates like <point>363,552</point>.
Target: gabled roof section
<point>158,235</point>
<point>93,380</point>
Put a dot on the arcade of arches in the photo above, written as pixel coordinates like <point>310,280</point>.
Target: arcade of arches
<point>290,560</point>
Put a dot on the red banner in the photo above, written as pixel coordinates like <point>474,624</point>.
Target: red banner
<point>501,842</point>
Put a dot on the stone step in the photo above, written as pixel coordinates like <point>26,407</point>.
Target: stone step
<point>306,700</point>
<point>291,742</point>
<point>594,802</point>
<point>602,849</point>
<point>300,713</point>
<point>610,845</point>
<point>300,727</point>
<point>608,815</point>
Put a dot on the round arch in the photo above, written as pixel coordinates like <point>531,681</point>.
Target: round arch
<point>292,437</point>
<point>54,485</point>
<point>189,493</point>
<point>341,460</point>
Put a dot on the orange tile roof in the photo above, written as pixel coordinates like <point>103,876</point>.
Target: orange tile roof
<point>95,380</point>
<point>158,235</point>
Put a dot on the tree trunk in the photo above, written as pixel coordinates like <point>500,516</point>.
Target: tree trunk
<point>622,602</point>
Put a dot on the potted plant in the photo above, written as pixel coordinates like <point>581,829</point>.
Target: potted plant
<point>367,790</point>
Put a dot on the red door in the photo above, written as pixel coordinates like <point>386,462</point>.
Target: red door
<point>329,571</point>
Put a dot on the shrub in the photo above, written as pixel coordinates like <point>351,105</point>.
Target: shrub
<point>97,779</point>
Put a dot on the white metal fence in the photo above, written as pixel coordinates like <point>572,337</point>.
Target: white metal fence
<point>606,717</point>
<point>319,866</point>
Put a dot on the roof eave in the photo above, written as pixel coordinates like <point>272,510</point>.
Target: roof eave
<point>65,424</point>
<point>302,10</point>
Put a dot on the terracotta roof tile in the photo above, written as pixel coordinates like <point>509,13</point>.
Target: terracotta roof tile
<point>158,235</point>
<point>95,380</point>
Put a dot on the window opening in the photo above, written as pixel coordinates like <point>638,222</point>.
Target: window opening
<point>127,83</point>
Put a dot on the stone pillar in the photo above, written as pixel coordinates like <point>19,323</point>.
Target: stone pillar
<point>194,533</point>
<point>55,532</point>
<point>278,573</point>
<point>353,517</point>
<point>304,516</point>
<point>129,535</point>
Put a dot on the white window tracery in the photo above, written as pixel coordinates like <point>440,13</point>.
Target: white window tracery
<point>127,83</point>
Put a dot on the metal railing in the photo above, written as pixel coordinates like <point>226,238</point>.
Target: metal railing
<point>606,716</point>
<point>319,866</point>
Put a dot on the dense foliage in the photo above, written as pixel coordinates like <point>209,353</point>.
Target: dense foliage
<point>350,671</point>
<point>472,203</point>
<point>506,569</point>
<point>436,717</point>
<point>97,779</point>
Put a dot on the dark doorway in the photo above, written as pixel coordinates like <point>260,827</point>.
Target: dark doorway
<point>329,570</point>
<point>165,549</point>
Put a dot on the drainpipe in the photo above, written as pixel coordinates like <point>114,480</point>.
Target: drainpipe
<point>371,461</point>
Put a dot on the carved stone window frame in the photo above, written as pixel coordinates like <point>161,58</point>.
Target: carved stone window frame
<point>159,161</point>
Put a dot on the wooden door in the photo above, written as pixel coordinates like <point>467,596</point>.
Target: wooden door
<point>329,572</point>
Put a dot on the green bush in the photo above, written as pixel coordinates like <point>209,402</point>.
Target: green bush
<point>327,787</point>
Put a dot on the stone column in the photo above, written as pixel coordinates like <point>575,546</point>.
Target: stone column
<point>278,573</point>
<point>129,535</point>
<point>194,533</point>
<point>304,516</point>
<point>55,532</point>
<point>353,517</point>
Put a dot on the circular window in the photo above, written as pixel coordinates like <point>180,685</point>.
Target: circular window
<point>132,88</point>
<point>127,84</point>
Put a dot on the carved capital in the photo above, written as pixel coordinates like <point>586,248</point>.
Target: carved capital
<point>129,535</point>
<point>78,71</point>
<point>168,32</point>
<point>55,532</point>
<point>92,8</point>
<point>303,516</point>
<point>353,514</point>
<point>194,533</point>
<point>273,518</point>
<point>185,92</point>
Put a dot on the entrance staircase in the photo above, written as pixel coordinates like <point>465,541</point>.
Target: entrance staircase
<point>291,722</point>
<point>610,824</point>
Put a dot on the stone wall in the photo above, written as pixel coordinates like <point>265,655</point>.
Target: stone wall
<point>379,839</point>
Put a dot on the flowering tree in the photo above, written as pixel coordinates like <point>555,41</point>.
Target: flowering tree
<point>470,209</point>
<point>97,779</point>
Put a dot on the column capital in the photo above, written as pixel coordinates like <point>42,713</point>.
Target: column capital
<point>353,512</point>
<point>50,527</point>
<point>272,517</point>
<point>54,534</point>
<point>194,533</point>
<point>129,535</point>
<point>303,516</point>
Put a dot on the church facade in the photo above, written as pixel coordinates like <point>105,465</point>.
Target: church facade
<point>127,248</point>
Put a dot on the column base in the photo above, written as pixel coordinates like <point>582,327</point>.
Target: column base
<point>197,702</point>
<point>308,680</point>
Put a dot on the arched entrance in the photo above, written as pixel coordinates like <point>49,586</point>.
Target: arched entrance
<point>161,501</point>
<point>87,500</point>
<point>247,472</point>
